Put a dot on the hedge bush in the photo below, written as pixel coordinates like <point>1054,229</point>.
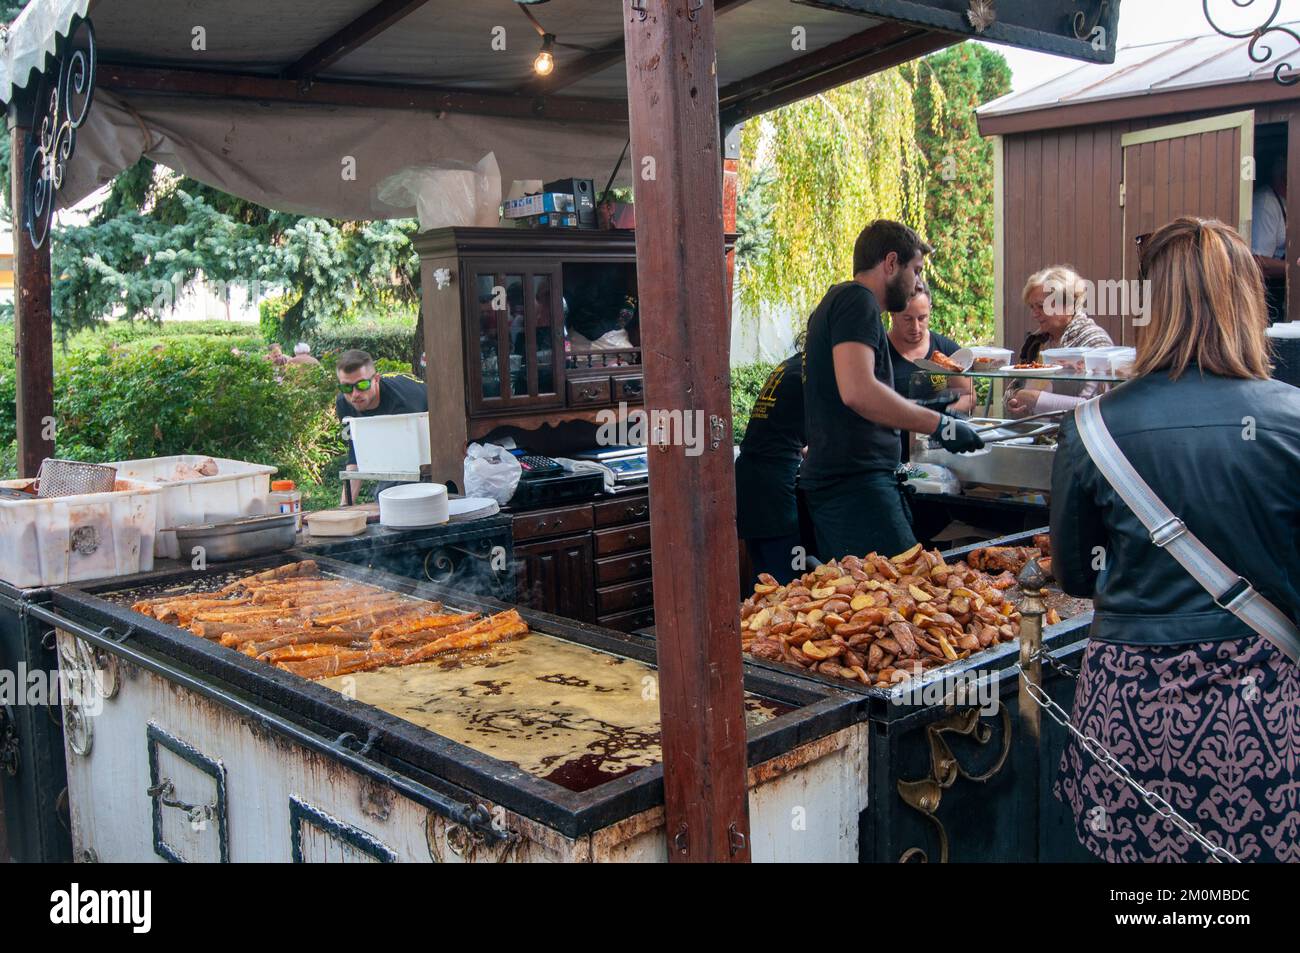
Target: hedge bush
<point>390,339</point>
<point>191,395</point>
<point>746,383</point>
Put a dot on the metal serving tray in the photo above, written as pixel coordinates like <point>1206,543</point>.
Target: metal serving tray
<point>1019,466</point>
<point>386,745</point>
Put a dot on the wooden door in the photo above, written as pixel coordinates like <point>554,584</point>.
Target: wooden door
<point>555,576</point>
<point>514,336</point>
<point>1191,168</point>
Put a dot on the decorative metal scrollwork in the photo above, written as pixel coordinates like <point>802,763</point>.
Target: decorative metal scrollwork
<point>60,111</point>
<point>1083,29</point>
<point>1260,53</point>
<point>926,794</point>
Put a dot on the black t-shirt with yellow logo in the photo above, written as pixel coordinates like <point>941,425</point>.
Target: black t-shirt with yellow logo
<point>776,422</point>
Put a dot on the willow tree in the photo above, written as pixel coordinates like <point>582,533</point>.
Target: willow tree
<point>833,162</point>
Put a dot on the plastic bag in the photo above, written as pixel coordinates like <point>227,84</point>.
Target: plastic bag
<point>448,194</point>
<point>491,471</point>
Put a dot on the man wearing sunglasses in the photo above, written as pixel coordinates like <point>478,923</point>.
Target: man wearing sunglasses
<point>363,393</point>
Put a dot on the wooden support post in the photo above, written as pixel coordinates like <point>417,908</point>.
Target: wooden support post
<point>33,328</point>
<point>673,109</point>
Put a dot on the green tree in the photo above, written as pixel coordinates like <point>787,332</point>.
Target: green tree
<point>947,89</point>
<point>836,161</point>
<point>156,232</point>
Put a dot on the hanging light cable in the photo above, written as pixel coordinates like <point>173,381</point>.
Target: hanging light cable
<point>544,62</point>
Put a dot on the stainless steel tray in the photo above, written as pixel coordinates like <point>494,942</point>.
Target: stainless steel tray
<point>238,539</point>
<point>1013,465</point>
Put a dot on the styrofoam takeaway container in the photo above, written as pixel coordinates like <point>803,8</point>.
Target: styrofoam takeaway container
<point>50,542</point>
<point>392,443</point>
<point>238,489</point>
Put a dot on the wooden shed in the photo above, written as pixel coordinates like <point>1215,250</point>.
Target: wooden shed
<point>1086,162</point>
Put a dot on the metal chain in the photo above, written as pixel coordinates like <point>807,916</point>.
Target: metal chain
<point>1111,763</point>
<point>1060,667</point>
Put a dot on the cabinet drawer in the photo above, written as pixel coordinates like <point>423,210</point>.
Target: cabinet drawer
<point>628,387</point>
<point>621,539</point>
<point>633,595</point>
<point>630,621</point>
<point>572,519</point>
<point>622,568</point>
<point>633,509</point>
<point>590,391</point>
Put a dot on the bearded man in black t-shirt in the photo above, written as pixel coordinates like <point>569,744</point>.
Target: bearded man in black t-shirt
<point>852,413</point>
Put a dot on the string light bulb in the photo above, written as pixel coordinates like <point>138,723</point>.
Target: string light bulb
<point>544,63</point>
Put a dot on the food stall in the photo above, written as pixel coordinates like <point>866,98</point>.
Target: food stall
<point>384,106</point>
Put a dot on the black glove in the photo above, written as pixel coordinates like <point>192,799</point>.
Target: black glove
<point>940,401</point>
<point>956,436</point>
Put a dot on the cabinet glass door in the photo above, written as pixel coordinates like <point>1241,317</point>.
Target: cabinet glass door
<point>513,361</point>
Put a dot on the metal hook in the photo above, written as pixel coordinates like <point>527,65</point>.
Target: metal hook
<point>638,7</point>
<point>694,11</point>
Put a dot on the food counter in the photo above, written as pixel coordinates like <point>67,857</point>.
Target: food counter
<point>950,775</point>
<point>541,747</point>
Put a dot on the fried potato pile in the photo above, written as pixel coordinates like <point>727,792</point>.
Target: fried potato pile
<point>294,618</point>
<point>878,620</point>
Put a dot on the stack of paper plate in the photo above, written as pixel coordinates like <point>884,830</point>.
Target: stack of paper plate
<point>1289,329</point>
<point>413,505</point>
<point>472,508</point>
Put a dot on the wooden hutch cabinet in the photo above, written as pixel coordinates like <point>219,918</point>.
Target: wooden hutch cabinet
<point>511,320</point>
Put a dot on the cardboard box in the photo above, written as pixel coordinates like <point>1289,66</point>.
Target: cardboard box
<point>540,204</point>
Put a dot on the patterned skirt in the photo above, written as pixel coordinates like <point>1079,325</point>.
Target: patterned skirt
<point>1212,728</point>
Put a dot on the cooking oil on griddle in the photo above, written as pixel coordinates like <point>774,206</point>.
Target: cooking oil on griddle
<point>560,711</point>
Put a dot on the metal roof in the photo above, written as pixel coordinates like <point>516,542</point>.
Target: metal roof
<point>1152,68</point>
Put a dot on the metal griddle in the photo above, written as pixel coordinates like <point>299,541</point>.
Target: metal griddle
<point>387,745</point>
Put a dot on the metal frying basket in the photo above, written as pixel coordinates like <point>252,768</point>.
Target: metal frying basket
<point>71,477</point>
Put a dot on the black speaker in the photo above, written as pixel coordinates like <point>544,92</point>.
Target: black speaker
<point>584,198</point>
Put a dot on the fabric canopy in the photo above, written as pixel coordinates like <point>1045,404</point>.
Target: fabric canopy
<point>293,158</point>
<point>31,38</point>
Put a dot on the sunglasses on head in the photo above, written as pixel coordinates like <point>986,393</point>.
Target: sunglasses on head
<point>362,385</point>
<point>1141,241</point>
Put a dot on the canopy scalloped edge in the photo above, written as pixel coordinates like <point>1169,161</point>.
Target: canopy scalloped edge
<point>31,40</point>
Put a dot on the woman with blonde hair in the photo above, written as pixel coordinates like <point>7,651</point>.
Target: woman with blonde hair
<point>1185,687</point>
<point>1056,297</point>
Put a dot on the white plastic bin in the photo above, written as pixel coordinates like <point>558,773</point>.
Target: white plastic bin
<point>393,443</point>
<point>238,489</point>
<point>66,539</point>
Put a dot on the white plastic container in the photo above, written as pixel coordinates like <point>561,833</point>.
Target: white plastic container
<point>336,523</point>
<point>51,542</point>
<point>1069,358</point>
<point>395,443</point>
<point>990,358</point>
<point>1122,360</point>
<point>238,489</point>
<point>1096,361</point>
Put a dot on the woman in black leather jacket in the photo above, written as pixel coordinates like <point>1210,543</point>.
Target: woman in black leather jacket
<point>1200,709</point>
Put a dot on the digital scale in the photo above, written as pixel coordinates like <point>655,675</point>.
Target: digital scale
<point>630,465</point>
